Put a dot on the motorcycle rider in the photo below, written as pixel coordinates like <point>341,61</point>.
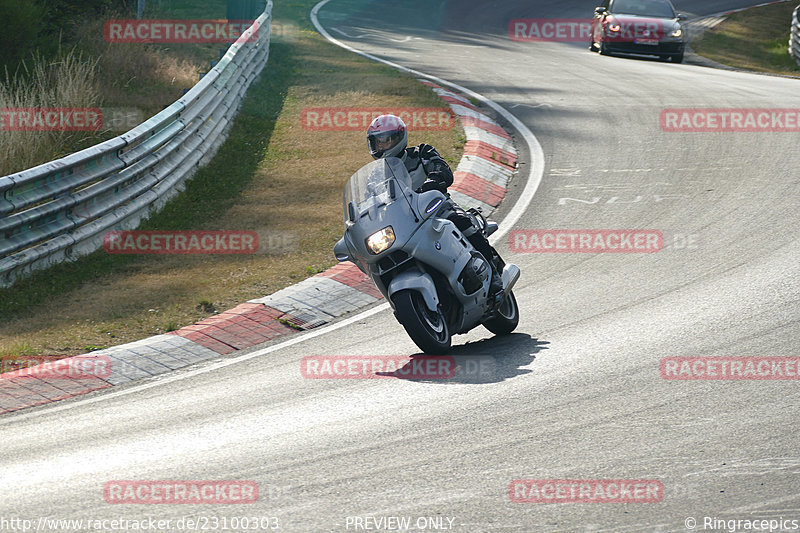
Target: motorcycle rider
<point>387,136</point>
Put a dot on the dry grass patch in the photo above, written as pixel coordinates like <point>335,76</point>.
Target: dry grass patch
<point>69,82</point>
<point>146,76</point>
<point>95,73</point>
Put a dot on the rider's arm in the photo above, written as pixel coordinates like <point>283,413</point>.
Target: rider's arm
<point>435,167</point>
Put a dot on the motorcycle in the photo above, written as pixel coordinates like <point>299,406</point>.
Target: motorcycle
<point>435,280</point>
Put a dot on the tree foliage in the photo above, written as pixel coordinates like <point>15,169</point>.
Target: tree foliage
<point>22,32</point>
<point>43,25</point>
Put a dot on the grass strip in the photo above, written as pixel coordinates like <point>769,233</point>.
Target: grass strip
<point>756,39</point>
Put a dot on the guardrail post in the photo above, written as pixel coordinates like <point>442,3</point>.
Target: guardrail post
<point>794,39</point>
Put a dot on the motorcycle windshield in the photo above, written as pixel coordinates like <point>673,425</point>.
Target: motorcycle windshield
<point>371,187</point>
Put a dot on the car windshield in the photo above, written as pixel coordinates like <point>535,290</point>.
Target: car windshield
<point>644,8</point>
<point>370,187</point>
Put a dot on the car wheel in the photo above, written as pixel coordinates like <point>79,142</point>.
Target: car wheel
<point>677,59</point>
<point>604,49</point>
<point>592,47</point>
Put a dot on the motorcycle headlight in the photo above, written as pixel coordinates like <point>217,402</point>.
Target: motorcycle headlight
<point>676,33</point>
<point>380,240</point>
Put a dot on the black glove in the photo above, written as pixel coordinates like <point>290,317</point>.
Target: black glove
<point>429,185</point>
<point>439,172</point>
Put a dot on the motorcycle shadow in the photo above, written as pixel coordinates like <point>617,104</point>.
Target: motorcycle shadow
<point>489,360</point>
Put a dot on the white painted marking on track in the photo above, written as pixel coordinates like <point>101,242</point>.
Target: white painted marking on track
<point>371,34</point>
<point>340,32</point>
<point>565,172</point>
<point>757,505</point>
<point>532,106</point>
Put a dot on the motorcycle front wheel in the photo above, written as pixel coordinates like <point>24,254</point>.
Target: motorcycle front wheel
<point>507,317</point>
<point>428,329</point>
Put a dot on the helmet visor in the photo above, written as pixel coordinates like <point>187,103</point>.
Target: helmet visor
<point>383,142</point>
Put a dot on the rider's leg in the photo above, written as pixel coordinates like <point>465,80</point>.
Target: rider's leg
<point>481,243</point>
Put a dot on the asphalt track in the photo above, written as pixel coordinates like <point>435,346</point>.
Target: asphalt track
<point>575,393</point>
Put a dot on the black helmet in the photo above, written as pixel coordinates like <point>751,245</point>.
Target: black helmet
<point>387,136</point>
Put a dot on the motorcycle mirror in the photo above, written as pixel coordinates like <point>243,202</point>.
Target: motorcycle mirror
<point>340,251</point>
<point>351,212</point>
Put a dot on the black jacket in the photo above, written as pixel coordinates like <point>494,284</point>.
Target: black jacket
<point>436,168</point>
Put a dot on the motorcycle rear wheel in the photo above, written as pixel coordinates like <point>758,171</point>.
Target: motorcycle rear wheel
<point>426,328</point>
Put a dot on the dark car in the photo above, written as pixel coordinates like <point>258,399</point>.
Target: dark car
<point>641,27</point>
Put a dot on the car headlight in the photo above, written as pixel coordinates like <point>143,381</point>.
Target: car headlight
<point>614,27</point>
<point>380,240</point>
<point>676,33</point>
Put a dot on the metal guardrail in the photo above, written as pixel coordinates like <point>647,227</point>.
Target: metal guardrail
<point>61,210</point>
<point>794,39</point>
